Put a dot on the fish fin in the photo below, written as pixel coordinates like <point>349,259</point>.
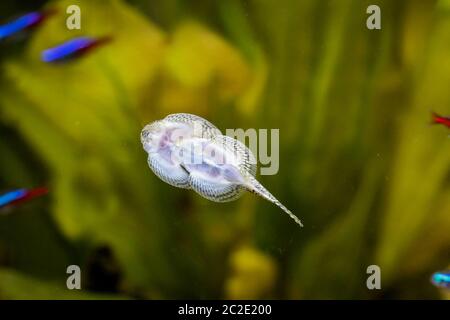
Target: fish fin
<point>208,129</point>
<point>256,187</point>
<point>174,175</point>
<point>247,161</point>
<point>213,191</point>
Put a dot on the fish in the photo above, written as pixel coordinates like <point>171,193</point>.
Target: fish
<point>187,151</point>
<point>25,22</point>
<point>72,48</point>
<point>17,196</point>
<point>441,279</point>
<point>438,119</point>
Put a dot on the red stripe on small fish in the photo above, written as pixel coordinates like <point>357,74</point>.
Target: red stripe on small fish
<point>438,119</point>
<point>73,48</point>
<point>30,194</point>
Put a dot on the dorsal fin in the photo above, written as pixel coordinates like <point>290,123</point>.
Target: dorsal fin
<point>247,161</point>
<point>208,130</point>
<point>256,187</point>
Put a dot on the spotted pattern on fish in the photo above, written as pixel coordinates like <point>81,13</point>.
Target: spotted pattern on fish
<point>208,130</point>
<point>246,158</point>
<point>215,192</point>
<point>175,177</point>
<point>217,167</point>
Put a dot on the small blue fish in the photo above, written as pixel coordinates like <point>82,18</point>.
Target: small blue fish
<point>441,279</point>
<point>11,196</point>
<point>22,23</point>
<point>20,195</point>
<point>72,48</point>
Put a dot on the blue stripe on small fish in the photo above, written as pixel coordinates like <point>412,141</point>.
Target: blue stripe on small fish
<point>441,279</point>
<point>20,24</point>
<point>67,49</point>
<point>11,196</point>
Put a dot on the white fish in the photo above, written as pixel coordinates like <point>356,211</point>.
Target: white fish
<point>187,151</point>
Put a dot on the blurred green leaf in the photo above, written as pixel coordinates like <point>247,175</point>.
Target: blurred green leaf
<point>18,286</point>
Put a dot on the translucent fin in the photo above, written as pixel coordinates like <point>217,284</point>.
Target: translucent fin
<point>173,174</point>
<point>246,159</point>
<point>256,187</point>
<point>214,191</point>
<point>208,130</point>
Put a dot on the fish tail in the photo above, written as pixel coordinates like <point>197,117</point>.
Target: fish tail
<point>434,118</point>
<point>256,187</point>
